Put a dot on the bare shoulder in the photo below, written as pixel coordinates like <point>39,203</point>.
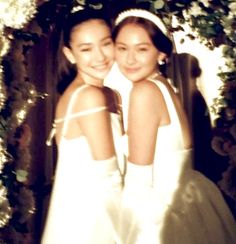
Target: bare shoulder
<point>89,97</point>
<point>92,96</point>
<point>147,100</point>
<point>146,90</point>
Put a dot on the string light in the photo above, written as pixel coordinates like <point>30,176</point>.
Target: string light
<point>4,155</point>
<point>21,114</point>
<point>5,209</point>
<point>2,89</point>
<point>4,43</point>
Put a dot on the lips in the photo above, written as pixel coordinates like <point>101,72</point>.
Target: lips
<point>131,70</point>
<point>102,67</point>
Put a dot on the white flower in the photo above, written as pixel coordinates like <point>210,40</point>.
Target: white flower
<point>186,14</point>
<point>15,13</point>
<point>205,3</point>
<point>229,64</point>
<point>224,68</point>
<point>232,7</point>
<point>195,10</point>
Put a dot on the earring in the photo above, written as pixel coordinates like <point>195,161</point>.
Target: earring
<point>161,62</point>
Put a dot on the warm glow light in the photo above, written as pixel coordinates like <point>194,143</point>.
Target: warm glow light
<point>21,115</point>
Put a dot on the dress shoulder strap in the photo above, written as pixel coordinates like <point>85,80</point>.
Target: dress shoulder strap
<point>171,108</point>
<point>69,115</point>
<point>69,108</point>
<point>80,114</point>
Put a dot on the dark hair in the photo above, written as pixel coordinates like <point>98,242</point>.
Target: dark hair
<point>78,18</point>
<point>159,40</point>
<point>66,70</point>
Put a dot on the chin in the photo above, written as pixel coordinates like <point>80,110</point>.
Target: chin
<point>133,78</point>
<point>131,75</point>
<point>102,76</point>
<point>101,73</point>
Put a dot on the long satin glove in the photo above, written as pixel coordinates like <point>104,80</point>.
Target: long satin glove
<point>136,201</point>
<point>143,211</point>
<point>108,182</point>
<point>90,207</point>
<point>106,173</point>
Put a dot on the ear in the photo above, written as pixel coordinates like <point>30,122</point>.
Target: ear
<point>69,55</point>
<point>161,57</point>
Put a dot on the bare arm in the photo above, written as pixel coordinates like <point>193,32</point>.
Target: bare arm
<point>145,115</point>
<point>96,127</point>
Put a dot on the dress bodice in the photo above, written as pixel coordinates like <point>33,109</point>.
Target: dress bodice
<point>181,206</point>
<point>171,159</point>
<point>79,148</point>
<point>72,149</point>
<point>85,191</point>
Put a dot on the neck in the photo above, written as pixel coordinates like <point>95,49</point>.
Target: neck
<point>156,74</point>
<point>79,80</point>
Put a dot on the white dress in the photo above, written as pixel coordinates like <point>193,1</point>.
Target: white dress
<point>182,206</point>
<point>83,207</point>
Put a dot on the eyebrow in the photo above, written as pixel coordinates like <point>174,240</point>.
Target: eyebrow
<point>90,43</point>
<point>138,44</point>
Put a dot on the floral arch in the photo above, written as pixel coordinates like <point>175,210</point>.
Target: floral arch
<point>22,23</point>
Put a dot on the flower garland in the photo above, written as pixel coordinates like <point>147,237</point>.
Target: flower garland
<point>17,96</point>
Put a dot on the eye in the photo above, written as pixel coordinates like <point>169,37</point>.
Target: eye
<point>85,49</point>
<point>107,43</point>
<point>142,49</point>
<point>121,48</point>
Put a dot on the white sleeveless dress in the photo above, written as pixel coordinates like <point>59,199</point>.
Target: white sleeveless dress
<point>182,206</point>
<point>81,210</point>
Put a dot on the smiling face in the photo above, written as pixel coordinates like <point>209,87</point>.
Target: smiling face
<point>135,53</point>
<point>92,50</point>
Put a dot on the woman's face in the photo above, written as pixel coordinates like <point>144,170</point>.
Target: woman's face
<point>92,50</point>
<point>135,53</point>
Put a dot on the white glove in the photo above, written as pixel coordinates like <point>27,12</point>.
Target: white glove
<point>140,202</point>
<point>136,200</point>
<point>138,176</point>
<point>108,184</point>
<point>138,187</point>
<point>106,174</point>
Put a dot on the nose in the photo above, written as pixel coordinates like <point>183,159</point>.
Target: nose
<point>99,54</point>
<point>130,57</point>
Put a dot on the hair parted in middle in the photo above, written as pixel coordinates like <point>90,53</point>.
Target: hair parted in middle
<point>67,71</point>
<point>150,22</point>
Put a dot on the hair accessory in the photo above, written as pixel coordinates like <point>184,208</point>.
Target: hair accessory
<point>141,13</point>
